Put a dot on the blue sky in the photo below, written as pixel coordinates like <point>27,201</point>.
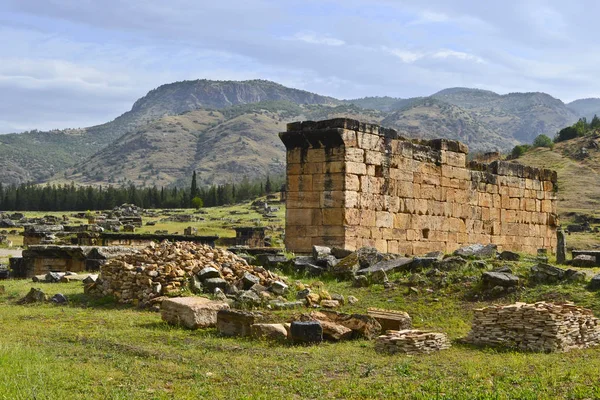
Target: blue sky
<point>76,63</point>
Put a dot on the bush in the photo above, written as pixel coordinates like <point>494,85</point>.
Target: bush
<point>567,133</point>
<point>519,150</point>
<point>542,141</point>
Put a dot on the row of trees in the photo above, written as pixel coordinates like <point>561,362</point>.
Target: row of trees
<point>578,129</point>
<point>30,197</point>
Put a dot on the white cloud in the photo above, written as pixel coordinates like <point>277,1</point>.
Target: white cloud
<point>446,53</point>
<point>428,17</point>
<point>406,56</point>
<point>313,38</point>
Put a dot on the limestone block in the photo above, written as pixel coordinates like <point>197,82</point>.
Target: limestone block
<point>333,216</point>
<point>191,312</point>
<point>315,155</point>
<point>276,332</point>
<point>236,322</point>
<point>356,168</point>
<point>384,219</point>
<point>354,155</point>
<point>351,182</point>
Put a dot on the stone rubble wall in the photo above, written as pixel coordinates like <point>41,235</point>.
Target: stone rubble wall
<point>411,341</point>
<point>351,184</point>
<point>540,327</point>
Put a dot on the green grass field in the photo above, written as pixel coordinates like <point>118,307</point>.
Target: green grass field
<point>93,348</point>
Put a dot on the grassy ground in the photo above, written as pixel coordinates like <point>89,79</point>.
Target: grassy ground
<point>93,348</point>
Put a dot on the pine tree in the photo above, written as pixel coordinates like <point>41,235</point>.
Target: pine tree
<point>194,186</point>
<point>268,188</point>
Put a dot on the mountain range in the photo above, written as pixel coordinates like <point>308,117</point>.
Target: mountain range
<point>227,130</point>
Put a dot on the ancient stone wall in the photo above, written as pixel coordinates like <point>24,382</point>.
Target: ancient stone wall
<point>351,184</point>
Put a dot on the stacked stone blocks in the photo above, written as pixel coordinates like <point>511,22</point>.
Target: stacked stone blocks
<point>351,184</point>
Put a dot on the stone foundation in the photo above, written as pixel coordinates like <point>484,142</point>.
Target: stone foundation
<point>351,184</point>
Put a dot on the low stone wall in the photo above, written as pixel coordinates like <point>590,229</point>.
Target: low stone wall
<point>540,327</point>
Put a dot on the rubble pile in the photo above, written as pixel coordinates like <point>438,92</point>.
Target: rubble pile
<point>167,268</point>
<point>411,341</point>
<point>540,327</point>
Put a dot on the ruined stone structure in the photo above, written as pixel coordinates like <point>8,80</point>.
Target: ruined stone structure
<point>351,184</point>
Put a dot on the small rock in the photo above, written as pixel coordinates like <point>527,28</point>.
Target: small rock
<point>34,296</point>
<point>338,297</point>
<point>302,294</point>
<point>352,300</point>
<point>279,288</point>
<point>59,298</point>
<point>504,268</point>
<point>257,288</point>
<point>195,284</point>
<point>219,295</point>
<point>451,263</point>
<point>330,304</point>
<point>379,276</point>
<point>595,283</point>
<point>314,270</point>
<point>479,264</point>
<point>286,305</point>
<point>248,299</point>
<point>90,279</point>
<point>413,289</point>
<point>212,283</point>
<point>320,252</point>
<point>575,276</point>
<point>208,273</point>
<point>360,281</point>
<point>497,290</point>
<point>249,280</point>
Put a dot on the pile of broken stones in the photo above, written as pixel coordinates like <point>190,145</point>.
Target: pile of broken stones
<point>167,269</point>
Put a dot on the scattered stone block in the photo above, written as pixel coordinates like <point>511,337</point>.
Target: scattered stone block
<point>250,280</point>
<point>320,252</point>
<point>546,273</point>
<point>352,300</point>
<point>191,312</point>
<point>595,283</point>
<point>308,332</point>
<point>211,284</point>
<point>279,288</point>
<point>335,332</point>
<point>504,279</point>
<point>389,266</point>
<point>477,251</point>
<point>275,332</point>
<point>509,256</point>
<point>59,298</point>
<point>236,322</point>
<point>340,253</point>
<point>208,273</point>
<point>391,319</point>
<point>451,263</point>
<point>330,304</point>
<point>584,261</point>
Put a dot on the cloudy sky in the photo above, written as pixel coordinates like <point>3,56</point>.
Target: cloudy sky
<point>76,63</point>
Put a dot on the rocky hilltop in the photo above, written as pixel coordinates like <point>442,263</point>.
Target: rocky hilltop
<point>228,130</point>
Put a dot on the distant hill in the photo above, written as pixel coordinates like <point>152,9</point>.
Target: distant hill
<point>227,130</point>
<point>585,108</point>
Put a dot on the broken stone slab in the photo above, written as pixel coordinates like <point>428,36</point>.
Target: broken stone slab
<point>335,332</point>
<point>504,279</point>
<point>388,266</point>
<point>340,253</point>
<point>191,312</point>
<point>509,256</point>
<point>423,262</point>
<point>451,263</point>
<point>72,278</point>
<point>208,273</point>
<point>271,260</point>
<point>34,296</point>
<point>286,305</point>
<point>327,262</point>
<point>546,273</point>
<point>362,325</point>
<point>314,270</point>
<point>477,251</point>
<point>54,277</point>
<point>269,331</point>
<point>248,299</point>
<point>306,332</point>
<point>279,288</point>
<point>320,252</point>
<point>236,322</point>
<point>561,246</point>
<point>391,319</point>
<point>250,280</point>
<point>584,261</point>
<point>90,279</point>
<point>347,267</point>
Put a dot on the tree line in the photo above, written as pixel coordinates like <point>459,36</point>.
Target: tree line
<point>69,197</point>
